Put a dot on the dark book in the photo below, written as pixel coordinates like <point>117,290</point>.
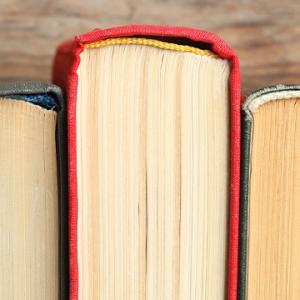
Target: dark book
<point>33,192</point>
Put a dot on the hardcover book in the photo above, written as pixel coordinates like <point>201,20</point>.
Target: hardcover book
<point>153,162</point>
<point>269,264</point>
<point>31,116</point>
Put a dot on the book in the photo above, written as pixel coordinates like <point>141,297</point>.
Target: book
<point>269,264</point>
<point>153,161</point>
<point>30,194</point>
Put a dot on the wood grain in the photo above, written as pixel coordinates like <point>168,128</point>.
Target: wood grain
<point>265,34</point>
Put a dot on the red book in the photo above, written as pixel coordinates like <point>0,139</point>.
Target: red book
<point>65,74</point>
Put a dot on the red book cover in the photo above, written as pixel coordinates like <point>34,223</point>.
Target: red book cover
<point>65,75</point>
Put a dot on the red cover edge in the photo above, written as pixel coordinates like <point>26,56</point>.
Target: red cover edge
<point>65,67</point>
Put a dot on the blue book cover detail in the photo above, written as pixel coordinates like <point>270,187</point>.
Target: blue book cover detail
<point>44,100</point>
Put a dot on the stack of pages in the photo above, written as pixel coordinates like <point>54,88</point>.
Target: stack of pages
<point>152,180</point>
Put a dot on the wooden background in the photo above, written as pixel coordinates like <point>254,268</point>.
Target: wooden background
<point>264,33</point>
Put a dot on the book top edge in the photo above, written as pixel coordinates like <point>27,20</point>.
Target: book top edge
<point>146,30</point>
<point>270,93</point>
<point>217,44</point>
<point>24,90</point>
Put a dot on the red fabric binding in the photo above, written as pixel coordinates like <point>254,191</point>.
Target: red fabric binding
<point>65,74</point>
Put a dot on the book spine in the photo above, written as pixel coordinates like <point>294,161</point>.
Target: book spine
<point>65,74</point>
<point>235,159</point>
<point>243,226</point>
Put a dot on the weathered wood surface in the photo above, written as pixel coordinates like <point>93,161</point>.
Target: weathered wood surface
<point>264,33</point>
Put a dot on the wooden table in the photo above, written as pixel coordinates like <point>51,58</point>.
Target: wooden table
<point>264,33</point>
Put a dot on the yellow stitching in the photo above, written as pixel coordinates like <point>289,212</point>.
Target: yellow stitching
<point>152,43</point>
